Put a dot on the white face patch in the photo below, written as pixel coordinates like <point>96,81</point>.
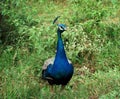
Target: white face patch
<point>60,28</point>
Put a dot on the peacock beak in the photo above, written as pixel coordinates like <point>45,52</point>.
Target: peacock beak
<point>65,29</point>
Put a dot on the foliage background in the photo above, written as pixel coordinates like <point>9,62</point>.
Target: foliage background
<point>92,43</point>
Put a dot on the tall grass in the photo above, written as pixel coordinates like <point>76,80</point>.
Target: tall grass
<point>92,41</point>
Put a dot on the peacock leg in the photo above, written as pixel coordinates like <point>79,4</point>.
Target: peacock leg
<point>51,89</point>
<point>62,87</point>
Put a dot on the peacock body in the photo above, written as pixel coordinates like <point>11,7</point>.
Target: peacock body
<point>58,70</point>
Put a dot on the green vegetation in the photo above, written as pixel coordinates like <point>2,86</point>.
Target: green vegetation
<point>92,43</point>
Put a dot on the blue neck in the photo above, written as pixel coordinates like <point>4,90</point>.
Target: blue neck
<point>60,55</point>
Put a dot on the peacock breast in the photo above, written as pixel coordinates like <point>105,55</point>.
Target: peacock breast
<point>62,69</point>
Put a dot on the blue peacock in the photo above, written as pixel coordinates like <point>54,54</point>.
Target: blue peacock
<point>58,70</point>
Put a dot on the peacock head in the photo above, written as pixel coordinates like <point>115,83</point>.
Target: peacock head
<point>62,28</point>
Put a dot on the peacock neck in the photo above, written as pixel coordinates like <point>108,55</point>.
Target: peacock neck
<point>60,55</point>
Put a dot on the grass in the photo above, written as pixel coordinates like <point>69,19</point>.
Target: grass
<point>91,42</point>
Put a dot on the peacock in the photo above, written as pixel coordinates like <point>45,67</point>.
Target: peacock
<point>58,70</point>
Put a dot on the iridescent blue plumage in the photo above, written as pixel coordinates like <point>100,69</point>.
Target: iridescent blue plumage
<point>60,70</point>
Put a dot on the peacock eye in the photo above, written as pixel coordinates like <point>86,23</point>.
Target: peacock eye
<point>60,28</point>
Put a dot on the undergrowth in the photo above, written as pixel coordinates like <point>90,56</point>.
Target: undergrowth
<point>92,43</point>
